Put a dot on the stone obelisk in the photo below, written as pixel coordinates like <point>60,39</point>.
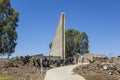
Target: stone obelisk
<point>58,44</point>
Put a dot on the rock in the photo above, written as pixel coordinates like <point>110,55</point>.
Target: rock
<point>110,73</point>
<point>110,67</point>
<point>118,71</point>
<point>105,67</point>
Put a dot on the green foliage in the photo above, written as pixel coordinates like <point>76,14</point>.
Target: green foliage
<point>1,1</point>
<point>17,58</point>
<point>50,45</point>
<point>6,78</point>
<point>76,42</point>
<point>91,61</point>
<point>84,43</point>
<point>8,24</point>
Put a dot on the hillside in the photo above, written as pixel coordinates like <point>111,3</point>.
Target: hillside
<point>15,70</point>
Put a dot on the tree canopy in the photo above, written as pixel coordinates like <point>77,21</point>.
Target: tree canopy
<point>76,42</point>
<point>8,24</point>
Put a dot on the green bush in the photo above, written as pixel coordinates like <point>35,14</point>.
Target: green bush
<point>16,58</point>
<point>91,61</point>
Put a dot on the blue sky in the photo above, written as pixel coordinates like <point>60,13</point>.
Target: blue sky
<point>38,20</point>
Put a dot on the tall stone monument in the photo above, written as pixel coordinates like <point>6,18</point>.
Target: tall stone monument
<point>58,44</point>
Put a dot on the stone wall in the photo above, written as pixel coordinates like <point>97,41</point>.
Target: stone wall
<point>41,56</point>
<point>86,57</point>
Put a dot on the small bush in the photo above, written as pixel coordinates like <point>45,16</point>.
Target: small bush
<point>91,61</point>
<point>16,58</point>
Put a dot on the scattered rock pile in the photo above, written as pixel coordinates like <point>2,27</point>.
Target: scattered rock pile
<point>110,67</point>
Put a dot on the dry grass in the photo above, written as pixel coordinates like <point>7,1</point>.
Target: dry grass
<point>98,77</point>
<point>19,72</point>
<point>6,78</point>
<point>95,76</point>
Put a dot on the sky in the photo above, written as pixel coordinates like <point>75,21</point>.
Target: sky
<point>38,20</point>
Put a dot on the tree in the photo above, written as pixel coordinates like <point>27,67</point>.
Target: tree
<point>84,43</point>
<point>76,42</point>
<point>8,24</point>
<point>50,45</point>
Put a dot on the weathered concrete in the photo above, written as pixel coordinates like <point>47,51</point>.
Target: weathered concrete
<point>86,56</point>
<point>58,44</point>
<point>63,73</point>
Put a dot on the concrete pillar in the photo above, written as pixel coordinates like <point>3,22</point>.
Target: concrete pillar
<point>58,44</point>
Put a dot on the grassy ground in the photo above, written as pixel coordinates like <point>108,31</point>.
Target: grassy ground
<point>6,78</point>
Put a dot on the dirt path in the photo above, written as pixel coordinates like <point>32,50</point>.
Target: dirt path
<point>63,73</point>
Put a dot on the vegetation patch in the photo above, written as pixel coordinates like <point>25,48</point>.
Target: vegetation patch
<point>6,77</point>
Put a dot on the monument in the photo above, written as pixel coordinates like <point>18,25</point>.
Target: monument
<point>58,44</point>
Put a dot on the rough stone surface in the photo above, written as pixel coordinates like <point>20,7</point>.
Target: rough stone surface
<point>15,70</point>
<point>58,45</point>
<point>87,57</point>
<point>109,67</point>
